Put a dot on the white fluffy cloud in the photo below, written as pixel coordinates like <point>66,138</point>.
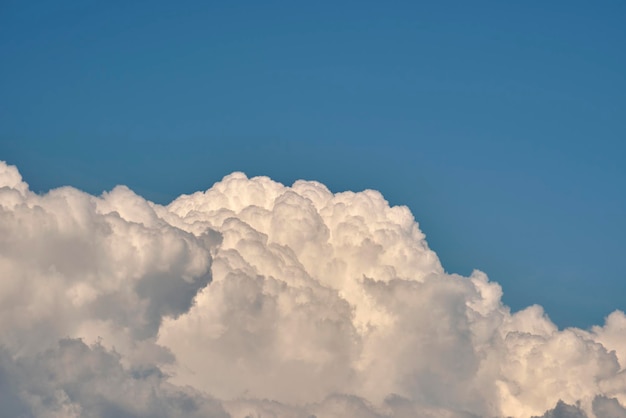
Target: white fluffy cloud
<point>254,299</point>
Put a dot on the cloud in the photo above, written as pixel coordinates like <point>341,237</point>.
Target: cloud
<point>255,299</point>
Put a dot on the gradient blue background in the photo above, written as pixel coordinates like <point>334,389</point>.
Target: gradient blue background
<point>502,125</point>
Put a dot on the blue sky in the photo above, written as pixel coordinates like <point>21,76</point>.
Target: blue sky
<point>501,125</point>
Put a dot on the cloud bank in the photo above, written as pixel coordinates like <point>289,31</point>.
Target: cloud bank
<point>254,299</point>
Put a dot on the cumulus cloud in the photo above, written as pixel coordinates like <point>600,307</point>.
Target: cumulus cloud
<point>254,299</point>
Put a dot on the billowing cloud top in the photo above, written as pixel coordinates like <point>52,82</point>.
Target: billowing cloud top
<point>254,299</point>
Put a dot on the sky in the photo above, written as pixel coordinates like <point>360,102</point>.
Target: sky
<point>301,210</point>
<point>500,125</point>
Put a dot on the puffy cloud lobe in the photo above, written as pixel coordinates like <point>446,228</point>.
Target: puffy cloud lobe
<point>279,301</point>
<point>76,265</point>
